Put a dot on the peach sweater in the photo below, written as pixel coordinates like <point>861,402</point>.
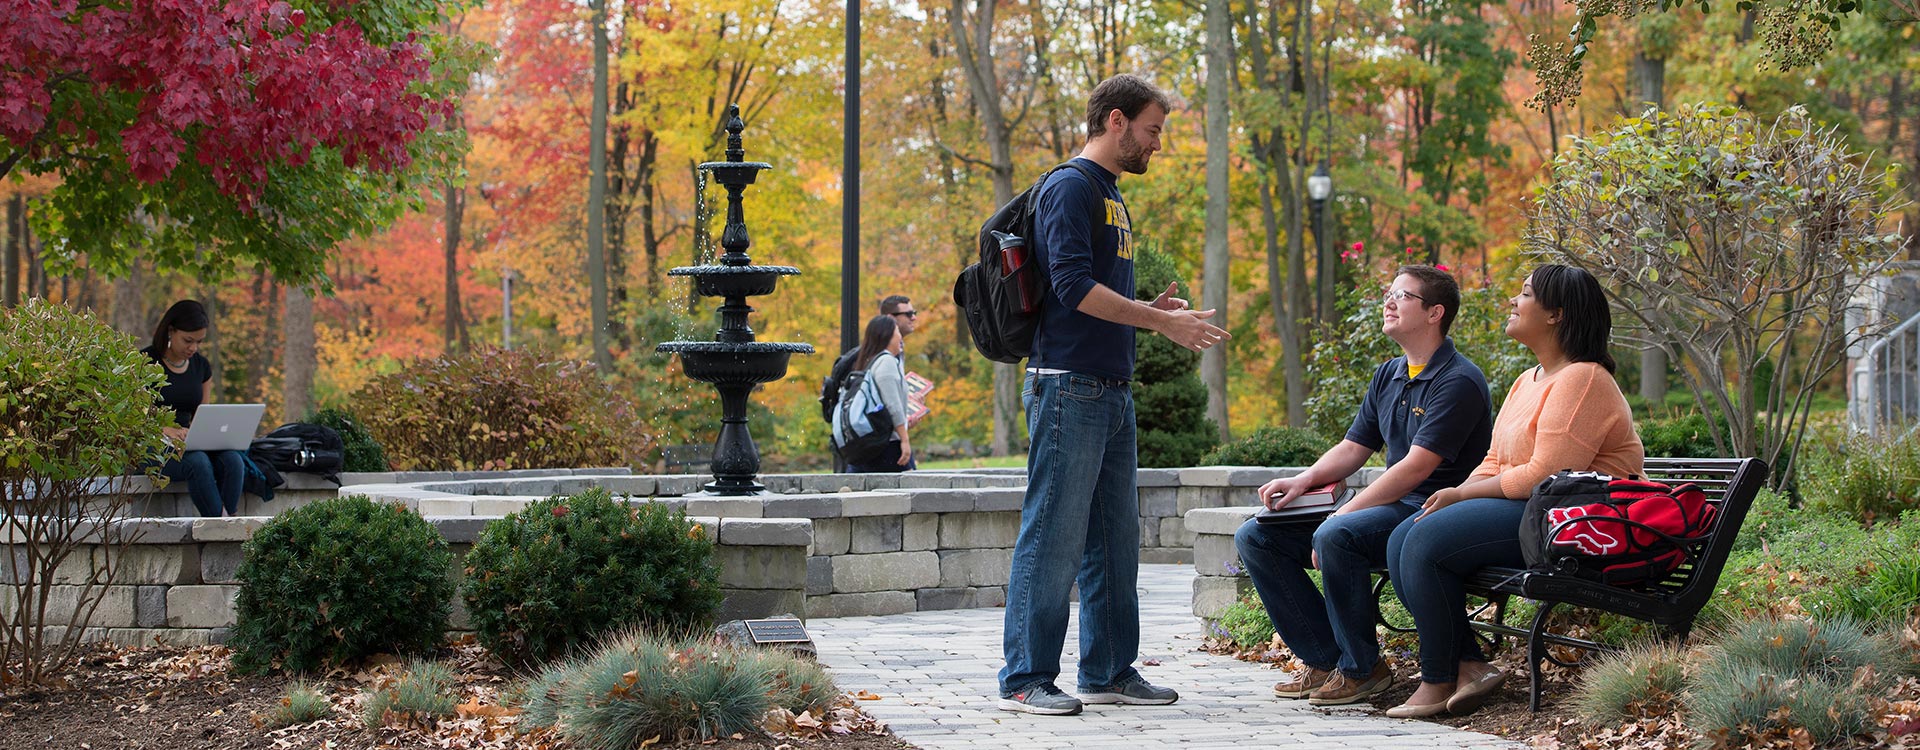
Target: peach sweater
<point>1576,419</point>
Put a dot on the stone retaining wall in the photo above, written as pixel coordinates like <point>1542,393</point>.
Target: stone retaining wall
<point>1219,577</point>
<point>816,545</point>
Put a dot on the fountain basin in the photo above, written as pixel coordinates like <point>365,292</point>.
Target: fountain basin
<point>734,363</point>
<point>734,281</point>
<point>734,172</point>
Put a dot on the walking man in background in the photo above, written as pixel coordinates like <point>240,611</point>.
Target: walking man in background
<point>1080,519</point>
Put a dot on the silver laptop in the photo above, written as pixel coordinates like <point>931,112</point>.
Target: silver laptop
<point>224,427</point>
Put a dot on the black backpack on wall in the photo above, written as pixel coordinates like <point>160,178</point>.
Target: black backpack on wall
<point>308,448</point>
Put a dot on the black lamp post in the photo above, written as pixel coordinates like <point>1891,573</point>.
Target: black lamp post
<point>1319,189</point>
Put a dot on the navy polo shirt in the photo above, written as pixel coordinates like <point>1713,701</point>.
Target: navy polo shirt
<point>1447,410</point>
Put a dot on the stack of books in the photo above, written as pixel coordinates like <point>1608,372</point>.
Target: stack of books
<point>1316,504</point>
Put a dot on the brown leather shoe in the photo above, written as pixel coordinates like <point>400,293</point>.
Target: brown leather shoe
<point>1342,689</point>
<point>1302,683</point>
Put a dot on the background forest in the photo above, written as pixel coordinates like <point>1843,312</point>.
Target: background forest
<point>1427,116</point>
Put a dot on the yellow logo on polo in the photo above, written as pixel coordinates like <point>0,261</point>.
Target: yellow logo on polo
<point>1122,225</point>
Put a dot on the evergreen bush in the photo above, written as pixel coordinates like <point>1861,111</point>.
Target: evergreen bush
<point>363,453</point>
<point>636,686</point>
<point>338,580</point>
<point>565,571</point>
<point>495,409</point>
<point>1169,401</point>
<point>1270,446</point>
<point>1688,435</point>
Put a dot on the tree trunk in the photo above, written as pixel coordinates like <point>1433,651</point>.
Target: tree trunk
<point>1213,293</point>
<point>597,192</point>
<point>974,47</point>
<point>1652,72</point>
<point>618,208</point>
<point>643,174</point>
<point>455,201</point>
<point>16,241</point>
<point>210,298</point>
<point>129,309</point>
<point>267,292</point>
<point>300,357</point>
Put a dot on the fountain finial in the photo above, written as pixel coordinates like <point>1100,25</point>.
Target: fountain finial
<point>734,125</point>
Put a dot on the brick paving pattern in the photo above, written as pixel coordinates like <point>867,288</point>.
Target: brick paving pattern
<point>936,675</point>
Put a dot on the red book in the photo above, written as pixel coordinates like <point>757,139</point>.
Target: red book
<point>1317,502</point>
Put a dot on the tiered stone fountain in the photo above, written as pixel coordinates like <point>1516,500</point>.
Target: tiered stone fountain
<point>733,362</point>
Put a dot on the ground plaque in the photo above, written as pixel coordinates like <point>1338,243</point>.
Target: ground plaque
<point>778,630</point>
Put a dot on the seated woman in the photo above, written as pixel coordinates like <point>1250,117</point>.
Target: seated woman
<point>879,356</point>
<point>213,477</point>
<point>1566,413</point>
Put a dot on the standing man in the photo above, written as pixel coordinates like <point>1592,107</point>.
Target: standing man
<point>1080,519</point>
<point>1430,409</point>
<point>902,311</point>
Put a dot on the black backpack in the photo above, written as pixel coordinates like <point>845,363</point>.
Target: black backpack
<point>1001,295</point>
<point>830,385</point>
<point>309,448</point>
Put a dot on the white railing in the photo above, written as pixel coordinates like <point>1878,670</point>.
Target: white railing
<point>1887,383</point>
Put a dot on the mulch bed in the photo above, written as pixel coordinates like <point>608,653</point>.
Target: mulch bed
<point>181,699</point>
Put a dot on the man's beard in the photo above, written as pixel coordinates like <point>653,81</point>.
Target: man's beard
<point>1133,156</point>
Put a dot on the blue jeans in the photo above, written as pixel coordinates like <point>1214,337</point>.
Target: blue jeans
<point>213,479</point>
<point>1430,561</point>
<point>1335,631</point>
<point>1080,522</point>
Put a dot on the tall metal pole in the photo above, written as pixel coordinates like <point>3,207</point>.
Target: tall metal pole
<point>850,191</point>
<point>597,193</point>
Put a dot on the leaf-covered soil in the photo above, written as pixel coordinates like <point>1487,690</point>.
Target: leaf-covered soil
<point>182,699</point>
<point>1558,726</point>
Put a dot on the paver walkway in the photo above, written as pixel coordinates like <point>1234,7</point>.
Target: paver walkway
<point>936,675</point>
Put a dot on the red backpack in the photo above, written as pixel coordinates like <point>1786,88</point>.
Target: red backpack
<point>1624,532</point>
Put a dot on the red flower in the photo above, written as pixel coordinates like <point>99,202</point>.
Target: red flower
<point>1442,267</point>
<point>1359,246</point>
<point>559,511</point>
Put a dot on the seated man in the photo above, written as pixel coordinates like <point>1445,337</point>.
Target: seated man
<point>1431,410</point>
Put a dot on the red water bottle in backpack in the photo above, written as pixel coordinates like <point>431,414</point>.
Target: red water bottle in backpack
<point>1013,260</point>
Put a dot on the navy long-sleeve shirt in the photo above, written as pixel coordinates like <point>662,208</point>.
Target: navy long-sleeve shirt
<point>1083,237</point>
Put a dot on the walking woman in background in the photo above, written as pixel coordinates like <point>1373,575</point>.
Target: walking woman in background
<point>1567,413</point>
<point>879,355</point>
<point>213,477</point>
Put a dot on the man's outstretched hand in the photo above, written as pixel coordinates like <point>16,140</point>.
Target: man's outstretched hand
<point>1190,329</point>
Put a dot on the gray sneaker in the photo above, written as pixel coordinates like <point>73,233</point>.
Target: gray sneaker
<point>1044,699</point>
<point>1135,692</point>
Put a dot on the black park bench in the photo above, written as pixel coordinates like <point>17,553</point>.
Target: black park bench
<point>1669,605</point>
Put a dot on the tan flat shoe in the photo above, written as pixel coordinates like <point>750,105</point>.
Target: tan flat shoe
<point>1473,694</point>
<point>1417,710</point>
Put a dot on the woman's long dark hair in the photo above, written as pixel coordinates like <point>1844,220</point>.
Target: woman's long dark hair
<point>185,315</point>
<point>1586,323</point>
<point>879,334</point>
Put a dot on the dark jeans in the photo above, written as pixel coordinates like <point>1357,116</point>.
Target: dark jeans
<point>1335,630</point>
<point>213,479</point>
<point>1430,561</point>
<point>887,463</point>
<point>1080,523</point>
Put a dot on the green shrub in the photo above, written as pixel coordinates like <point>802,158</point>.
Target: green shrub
<point>567,570</point>
<point>1270,446</point>
<point>1737,700</point>
<point>1644,680</point>
<point>1244,622</point>
<point>1865,478</point>
<point>302,703</point>
<point>1169,400</point>
<point>500,409</point>
<point>420,695</point>
<point>636,687</point>
<point>337,580</point>
<point>76,402</point>
<point>1887,596</point>
<point>1689,435</point>
<point>363,453</point>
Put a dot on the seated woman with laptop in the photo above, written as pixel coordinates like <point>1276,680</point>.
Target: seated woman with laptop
<point>213,462</point>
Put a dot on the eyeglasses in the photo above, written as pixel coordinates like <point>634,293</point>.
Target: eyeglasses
<point>1400,295</point>
<point>911,314</point>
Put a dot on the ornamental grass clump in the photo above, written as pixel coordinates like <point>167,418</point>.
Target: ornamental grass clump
<point>302,703</point>
<point>566,571</point>
<point>1767,677</point>
<point>339,580</point>
<point>638,687</point>
<point>1645,680</point>
<point>421,695</point>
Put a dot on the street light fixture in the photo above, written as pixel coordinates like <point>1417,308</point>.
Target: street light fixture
<point>1319,189</point>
